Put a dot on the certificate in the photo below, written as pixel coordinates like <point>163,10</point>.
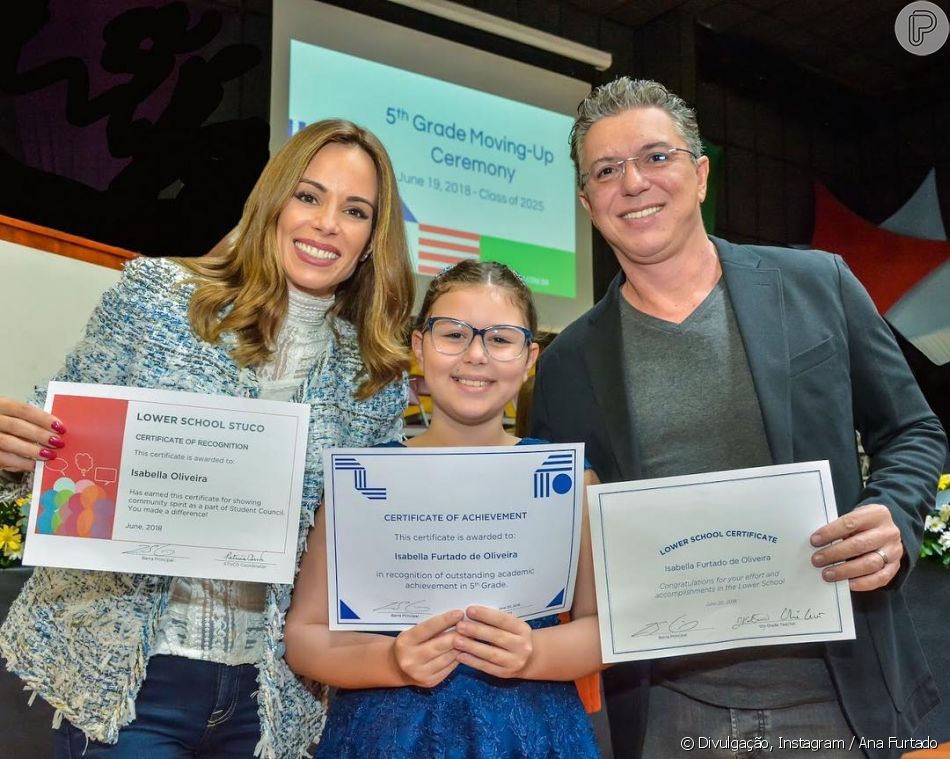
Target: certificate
<point>714,561</point>
<point>413,532</point>
<point>171,483</point>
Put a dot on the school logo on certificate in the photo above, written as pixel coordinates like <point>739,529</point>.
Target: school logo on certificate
<point>554,474</point>
<point>359,477</point>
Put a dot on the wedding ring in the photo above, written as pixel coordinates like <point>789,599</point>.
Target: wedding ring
<point>880,552</point>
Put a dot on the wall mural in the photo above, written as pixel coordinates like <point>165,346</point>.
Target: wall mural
<point>130,131</point>
<point>907,277</point>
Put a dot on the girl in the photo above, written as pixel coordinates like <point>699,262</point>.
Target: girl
<point>306,300</point>
<point>480,683</point>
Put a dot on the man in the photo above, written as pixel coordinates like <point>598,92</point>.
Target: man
<point>704,356</point>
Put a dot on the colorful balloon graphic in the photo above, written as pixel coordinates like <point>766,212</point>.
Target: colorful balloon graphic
<point>77,509</point>
<point>47,508</point>
<point>104,516</point>
<point>61,500</point>
<point>69,514</point>
<point>88,498</point>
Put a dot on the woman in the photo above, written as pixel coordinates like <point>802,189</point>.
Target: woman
<point>308,301</point>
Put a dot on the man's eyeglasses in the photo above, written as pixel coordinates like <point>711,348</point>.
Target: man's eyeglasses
<point>503,342</point>
<point>650,164</point>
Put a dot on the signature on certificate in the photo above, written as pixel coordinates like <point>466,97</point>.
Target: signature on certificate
<point>245,559</point>
<point>676,626</point>
<point>785,615</point>
<point>406,607</point>
<point>154,551</point>
<point>249,556</point>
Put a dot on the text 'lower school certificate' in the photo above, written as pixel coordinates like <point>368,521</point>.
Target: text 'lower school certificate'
<point>172,483</point>
<point>714,561</point>
<point>413,532</point>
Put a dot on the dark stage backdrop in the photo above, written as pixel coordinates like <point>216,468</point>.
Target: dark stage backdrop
<point>143,125</point>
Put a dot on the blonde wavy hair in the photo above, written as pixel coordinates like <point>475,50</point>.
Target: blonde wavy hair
<point>242,288</point>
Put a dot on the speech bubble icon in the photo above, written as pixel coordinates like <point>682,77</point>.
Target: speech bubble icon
<point>106,474</point>
<point>57,465</point>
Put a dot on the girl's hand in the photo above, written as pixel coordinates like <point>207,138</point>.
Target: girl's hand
<point>424,653</point>
<point>494,642</point>
<point>27,435</point>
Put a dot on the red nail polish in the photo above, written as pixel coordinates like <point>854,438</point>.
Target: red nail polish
<point>47,454</point>
<point>59,427</point>
<point>56,441</point>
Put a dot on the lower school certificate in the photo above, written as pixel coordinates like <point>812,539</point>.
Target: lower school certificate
<point>413,532</point>
<point>172,483</point>
<point>714,561</point>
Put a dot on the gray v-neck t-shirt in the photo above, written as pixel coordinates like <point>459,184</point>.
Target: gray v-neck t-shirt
<point>694,409</point>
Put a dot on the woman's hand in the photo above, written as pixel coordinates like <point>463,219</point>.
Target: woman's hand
<point>27,435</point>
<point>424,653</point>
<point>494,642</point>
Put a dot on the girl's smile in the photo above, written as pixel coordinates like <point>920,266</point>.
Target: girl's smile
<point>471,389</point>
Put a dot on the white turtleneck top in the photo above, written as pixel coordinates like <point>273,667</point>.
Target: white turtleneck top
<point>222,620</point>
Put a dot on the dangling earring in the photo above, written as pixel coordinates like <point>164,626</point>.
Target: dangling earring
<point>366,255</point>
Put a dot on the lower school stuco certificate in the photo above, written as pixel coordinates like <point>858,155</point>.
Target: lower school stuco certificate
<point>714,561</point>
<point>171,483</point>
<point>413,532</point>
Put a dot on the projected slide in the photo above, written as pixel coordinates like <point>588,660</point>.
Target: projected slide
<point>481,176</point>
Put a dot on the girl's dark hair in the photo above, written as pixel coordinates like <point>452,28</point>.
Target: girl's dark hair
<point>471,272</point>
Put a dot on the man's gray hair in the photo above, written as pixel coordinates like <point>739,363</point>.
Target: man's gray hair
<point>623,94</point>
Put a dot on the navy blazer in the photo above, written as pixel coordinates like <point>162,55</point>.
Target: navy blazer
<point>824,364</point>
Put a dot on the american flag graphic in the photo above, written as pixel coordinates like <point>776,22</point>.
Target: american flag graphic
<point>440,247</point>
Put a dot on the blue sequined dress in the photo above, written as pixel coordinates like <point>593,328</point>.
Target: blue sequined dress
<point>470,715</point>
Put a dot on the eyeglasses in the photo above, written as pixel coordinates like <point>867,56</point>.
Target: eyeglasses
<point>606,171</point>
<point>452,337</point>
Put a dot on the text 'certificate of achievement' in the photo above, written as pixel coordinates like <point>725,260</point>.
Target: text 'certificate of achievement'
<point>171,483</point>
<point>413,532</point>
<point>714,561</point>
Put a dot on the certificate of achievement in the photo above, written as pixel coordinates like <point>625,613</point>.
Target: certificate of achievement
<point>714,561</point>
<point>171,483</point>
<point>413,532</point>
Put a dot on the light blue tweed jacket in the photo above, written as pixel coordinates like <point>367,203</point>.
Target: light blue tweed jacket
<point>81,640</point>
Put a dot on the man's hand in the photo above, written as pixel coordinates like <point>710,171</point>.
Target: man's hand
<point>869,552</point>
